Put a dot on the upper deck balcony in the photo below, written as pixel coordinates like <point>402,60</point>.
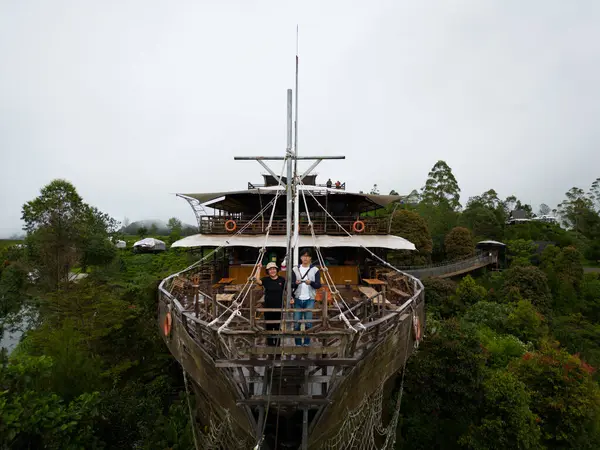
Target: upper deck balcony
<point>321,225</point>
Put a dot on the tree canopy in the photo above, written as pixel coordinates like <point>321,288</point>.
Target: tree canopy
<point>441,187</point>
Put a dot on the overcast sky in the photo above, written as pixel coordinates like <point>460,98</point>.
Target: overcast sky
<point>133,101</point>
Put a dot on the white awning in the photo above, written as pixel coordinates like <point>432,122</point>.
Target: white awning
<point>257,241</point>
<point>491,243</point>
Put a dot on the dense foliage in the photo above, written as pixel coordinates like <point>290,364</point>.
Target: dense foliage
<point>91,372</point>
<point>508,360</point>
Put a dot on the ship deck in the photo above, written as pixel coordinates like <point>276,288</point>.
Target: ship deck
<point>360,335</point>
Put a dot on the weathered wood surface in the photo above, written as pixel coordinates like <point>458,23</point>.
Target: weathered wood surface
<point>367,376</point>
<point>213,381</point>
<point>342,365</point>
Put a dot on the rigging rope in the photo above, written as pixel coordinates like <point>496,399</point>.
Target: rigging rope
<point>249,282</point>
<point>362,427</point>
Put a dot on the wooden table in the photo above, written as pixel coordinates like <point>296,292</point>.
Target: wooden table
<point>380,299</point>
<point>226,281</point>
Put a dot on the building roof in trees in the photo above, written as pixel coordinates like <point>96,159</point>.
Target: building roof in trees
<point>518,214</point>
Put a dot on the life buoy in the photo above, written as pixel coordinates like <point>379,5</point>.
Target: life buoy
<point>230,225</point>
<point>167,322</point>
<point>417,328</point>
<point>358,226</point>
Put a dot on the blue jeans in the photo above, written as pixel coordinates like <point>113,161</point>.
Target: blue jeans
<point>308,315</point>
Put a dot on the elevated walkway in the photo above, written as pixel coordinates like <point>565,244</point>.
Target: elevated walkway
<point>451,269</point>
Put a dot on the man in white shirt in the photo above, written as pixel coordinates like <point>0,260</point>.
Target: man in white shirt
<point>307,278</point>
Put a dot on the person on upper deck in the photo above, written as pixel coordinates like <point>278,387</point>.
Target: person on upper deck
<point>329,183</point>
<point>274,286</point>
<point>338,185</point>
<point>307,280</point>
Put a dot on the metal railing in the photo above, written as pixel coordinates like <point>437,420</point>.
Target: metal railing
<point>455,267</point>
<point>321,225</point>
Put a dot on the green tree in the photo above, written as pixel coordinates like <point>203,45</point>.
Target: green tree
<point>142,232</point>
<point>530,283</point>
<point>520,252</point>
<point>459,244</point>
<point>544,210</point>
<point>440,220</point>
<point>482,221</point>
<point>411,226</point>
<point>579,336</point>
<point>153,230</point>
<point>174,225</point>
<point>63,231</point>
<point>32,416</point>
<point>489,314</point>
<point>564,396</point>
<point>374,190</point>
<point>469,292</point>
<point>507,420</point>
<point>526,323</point>
<point>590,294</point>
<point>440,297</point>
<point>577,213</point>
<point>441,188</point>
<point>594,194</point>
<point>443,385</point>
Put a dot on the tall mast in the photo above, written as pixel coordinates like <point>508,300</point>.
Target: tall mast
<point>296,193</point>
<point>289,197</point>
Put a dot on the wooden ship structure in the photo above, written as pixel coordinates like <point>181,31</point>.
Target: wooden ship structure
<point>367,320</point>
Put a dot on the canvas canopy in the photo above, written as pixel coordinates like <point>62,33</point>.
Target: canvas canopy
<point>150,244</point>
<point>250,200</point>
<point>257,241</point>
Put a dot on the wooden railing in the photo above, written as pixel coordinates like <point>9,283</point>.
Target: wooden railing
<point>216,225</point>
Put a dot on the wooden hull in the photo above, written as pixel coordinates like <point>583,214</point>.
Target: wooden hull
<point>221,397</point>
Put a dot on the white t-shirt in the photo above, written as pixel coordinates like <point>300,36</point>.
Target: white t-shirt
<point>304,293</point>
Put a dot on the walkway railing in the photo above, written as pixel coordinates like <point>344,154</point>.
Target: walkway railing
<point>449,269</point>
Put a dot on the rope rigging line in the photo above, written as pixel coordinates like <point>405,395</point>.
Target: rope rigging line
<point>248,284</point>
<point>384,262</point>
<point>200,261</point>
<point>362,428</point>
<point>330,284</point>
<point>282,325</point>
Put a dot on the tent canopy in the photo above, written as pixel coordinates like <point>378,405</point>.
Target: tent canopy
<point>151,244</point>
<point>257,241</point>
<point>250,201</point>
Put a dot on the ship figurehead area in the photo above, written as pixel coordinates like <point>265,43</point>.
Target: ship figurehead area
<point>320,375</point>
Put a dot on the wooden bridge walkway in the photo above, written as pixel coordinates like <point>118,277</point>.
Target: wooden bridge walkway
<point>447,270</point>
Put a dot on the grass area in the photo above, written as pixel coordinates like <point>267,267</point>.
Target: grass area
<point>8,242</point>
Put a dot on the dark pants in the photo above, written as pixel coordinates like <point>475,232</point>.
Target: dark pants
<point>272,341</point>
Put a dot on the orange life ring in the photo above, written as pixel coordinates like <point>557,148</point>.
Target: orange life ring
<point>358,226</point>
<point>417,327</point>
<point>167,324</point>
<point>230,225</point>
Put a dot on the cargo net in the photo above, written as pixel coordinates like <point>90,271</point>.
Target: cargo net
<point>363,428</point>
<point>220,435</point>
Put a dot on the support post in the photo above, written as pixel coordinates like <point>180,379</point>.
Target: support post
<point>305,429</point>
<point>290,160</point>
